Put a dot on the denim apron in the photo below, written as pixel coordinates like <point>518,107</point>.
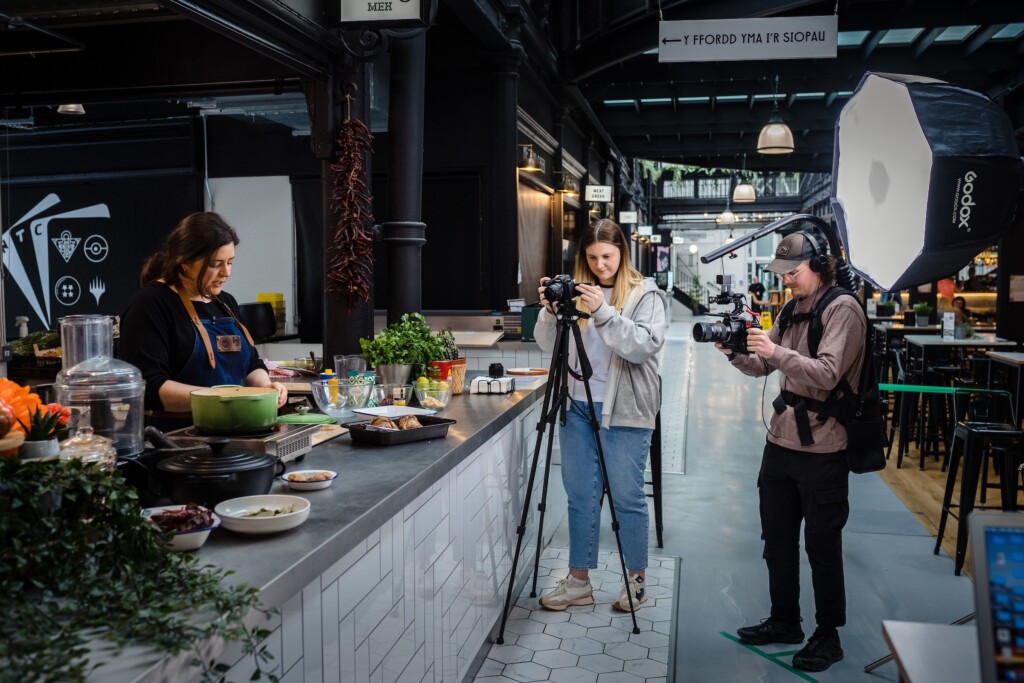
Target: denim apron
<point>209,365</point>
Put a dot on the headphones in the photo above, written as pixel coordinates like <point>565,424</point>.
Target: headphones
<point>817,261</point>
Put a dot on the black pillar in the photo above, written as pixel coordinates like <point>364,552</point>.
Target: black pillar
<point>404,234</point>
<point>505,196</point>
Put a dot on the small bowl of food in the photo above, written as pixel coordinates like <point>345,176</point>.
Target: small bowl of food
<point>190,523</point>
<point>391,395</point>
<point>434,396</point>
<point>309,480</point>
<point>266,514</point>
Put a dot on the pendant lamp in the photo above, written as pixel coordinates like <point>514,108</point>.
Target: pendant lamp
<point>744,193</point>
<point>70,109</point>
<point>527,159</point>
<point>775,137</point>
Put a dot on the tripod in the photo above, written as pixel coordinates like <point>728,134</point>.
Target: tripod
<point>556,395</point>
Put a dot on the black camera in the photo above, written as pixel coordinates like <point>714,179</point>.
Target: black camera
<point>732,330</point>
<point>560,288</point>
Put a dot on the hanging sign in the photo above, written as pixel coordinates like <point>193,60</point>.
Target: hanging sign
<point>597,193</point>
<point>730,40</point>
<point>628,217</point>
<point>644,230</point>
<point>655,239</point>
<point>390,13</point>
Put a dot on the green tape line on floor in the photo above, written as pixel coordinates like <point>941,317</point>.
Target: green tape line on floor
<point>774,658</point>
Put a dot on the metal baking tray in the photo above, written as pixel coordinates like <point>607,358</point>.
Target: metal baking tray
<point>433,428</point>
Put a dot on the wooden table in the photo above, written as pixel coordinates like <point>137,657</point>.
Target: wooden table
<point>1015,361</point>
<point>934,653</point>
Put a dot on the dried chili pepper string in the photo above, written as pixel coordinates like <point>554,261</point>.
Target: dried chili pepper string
<point>350,254</point>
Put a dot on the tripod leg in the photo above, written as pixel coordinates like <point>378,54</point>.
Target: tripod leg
<point>542,508</point>
<point>553,396</point>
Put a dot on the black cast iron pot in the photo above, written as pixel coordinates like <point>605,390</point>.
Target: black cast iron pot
<point>208,479</point>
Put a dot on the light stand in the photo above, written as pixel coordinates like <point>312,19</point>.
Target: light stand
<point>556,395</point>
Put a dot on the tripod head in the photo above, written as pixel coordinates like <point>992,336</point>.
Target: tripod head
<point>567,313</point>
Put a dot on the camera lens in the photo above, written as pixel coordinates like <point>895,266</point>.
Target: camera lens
<point>560,288</point>
<point>711,332</point>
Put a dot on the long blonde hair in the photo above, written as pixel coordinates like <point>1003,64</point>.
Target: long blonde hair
<point>627,278</point>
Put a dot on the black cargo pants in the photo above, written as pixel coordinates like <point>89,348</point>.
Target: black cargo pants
<point>812,488</point>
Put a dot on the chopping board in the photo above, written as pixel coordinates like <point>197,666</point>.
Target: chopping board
<point>327,432</point>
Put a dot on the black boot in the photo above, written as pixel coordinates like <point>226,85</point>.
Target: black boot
<point>771,630</point>
<point>822,651</point>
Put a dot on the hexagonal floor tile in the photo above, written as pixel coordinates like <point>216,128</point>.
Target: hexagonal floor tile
<point>626,651</point>
<point>508,654</point>
<point>524,626</point>
<point>549,617</point>
<point>607,634</point>
<point>646,668</point>
<point>646,638</point>
<point>601,663</point>
<point>490,667</point>
<point>527,671</point>
<point>619,677</point>
<point>556,659</point>
<point>566,630</point>
<point>538,642</point>
<point>573,674</point>
<point>582,646</point>
<point>626,623</point>
<point>590,619</point>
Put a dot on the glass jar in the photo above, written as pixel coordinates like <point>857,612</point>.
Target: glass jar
<point>90,448</point>
<point>105,394</point>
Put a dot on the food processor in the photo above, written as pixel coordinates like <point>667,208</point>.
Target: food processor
<point>102,392</point>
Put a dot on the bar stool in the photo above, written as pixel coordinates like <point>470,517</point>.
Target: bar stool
<point>969,442</point>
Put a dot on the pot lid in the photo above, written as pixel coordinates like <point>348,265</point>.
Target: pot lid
<point>202,462</point>
<point>230,390</point>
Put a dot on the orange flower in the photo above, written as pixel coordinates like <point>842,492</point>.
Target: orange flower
<point>58,409</point>
<point>21,401</point>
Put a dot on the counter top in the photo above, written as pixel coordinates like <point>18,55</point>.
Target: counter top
<point>374,483</point>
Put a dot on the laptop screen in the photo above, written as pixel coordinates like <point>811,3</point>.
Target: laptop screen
<point>1004,561</point>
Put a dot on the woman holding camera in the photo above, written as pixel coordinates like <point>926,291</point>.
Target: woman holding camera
<point>621,339</point>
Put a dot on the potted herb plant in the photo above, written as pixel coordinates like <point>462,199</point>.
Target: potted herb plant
<point>885,309</point>
<point>449,366</point>
<point>47,425</point>
<point>923,311</point>
<point>399,347</point>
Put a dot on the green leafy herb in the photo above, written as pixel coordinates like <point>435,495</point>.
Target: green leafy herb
<point>79,564</point>
<point>410,340</point>
<point>923,308</point>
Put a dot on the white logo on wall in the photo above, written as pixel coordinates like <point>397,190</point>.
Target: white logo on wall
<point>33,231</point>
<point>96,288</point>
<point>67,290</point>
<point>96,248</point>
<point>66,244</point>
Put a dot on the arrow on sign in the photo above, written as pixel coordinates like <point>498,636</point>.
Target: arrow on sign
<point>665,41</point>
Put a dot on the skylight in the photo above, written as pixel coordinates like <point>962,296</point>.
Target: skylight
<point>851,38</point>
<point>657,100</point>
<point>809,95</point>
<point>692,100</point>
<point>900,36</point>
<point>1009,32</point>
<point>956,34</point>
<point>619,103</point>
<point>731,98</point>
<point>763,96</point>
<point>652,51</point>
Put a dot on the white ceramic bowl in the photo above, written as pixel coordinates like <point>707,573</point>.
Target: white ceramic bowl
<point>302,485</point>
<point>185,540</point>
<point>234,513</point>
<point>434,399</point>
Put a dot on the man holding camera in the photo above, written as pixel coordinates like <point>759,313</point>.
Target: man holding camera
<point>804,474</point>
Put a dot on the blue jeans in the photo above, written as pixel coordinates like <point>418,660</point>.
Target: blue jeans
<point>625,454</point>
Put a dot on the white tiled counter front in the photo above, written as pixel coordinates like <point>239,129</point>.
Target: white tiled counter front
<point>511,354</point>
<point>418,599</point>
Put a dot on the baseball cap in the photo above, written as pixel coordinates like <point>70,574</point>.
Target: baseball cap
<point>791,251</point>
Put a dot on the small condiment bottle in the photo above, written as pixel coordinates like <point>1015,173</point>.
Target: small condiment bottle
<point>331,378</point>
<point>90,448</point>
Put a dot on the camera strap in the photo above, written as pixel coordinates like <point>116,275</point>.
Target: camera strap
<point>830,407</point>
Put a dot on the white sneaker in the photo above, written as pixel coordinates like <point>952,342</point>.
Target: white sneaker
<point>636,587</point>
<point>565,594</point>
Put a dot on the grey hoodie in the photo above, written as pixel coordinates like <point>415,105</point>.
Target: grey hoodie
<point>632,395</point>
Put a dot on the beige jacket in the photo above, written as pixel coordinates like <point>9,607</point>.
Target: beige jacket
<point>840,354</point>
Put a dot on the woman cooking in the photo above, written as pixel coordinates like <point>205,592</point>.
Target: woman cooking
<point>182,330</point>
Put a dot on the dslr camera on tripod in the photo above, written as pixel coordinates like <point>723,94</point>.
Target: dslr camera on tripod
<point>560,288</point>
<point>732,331</point>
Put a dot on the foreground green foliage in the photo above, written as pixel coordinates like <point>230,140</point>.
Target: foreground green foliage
<point>79,565</point>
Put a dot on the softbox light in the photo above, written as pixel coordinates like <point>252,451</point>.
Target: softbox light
<point>925,175</point>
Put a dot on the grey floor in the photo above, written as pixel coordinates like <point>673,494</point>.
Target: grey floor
<point>713,439</point>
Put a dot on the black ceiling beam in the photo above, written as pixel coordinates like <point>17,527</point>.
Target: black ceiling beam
<point>152,60</point>
<point>730,118</point>
<point>817,141</point>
